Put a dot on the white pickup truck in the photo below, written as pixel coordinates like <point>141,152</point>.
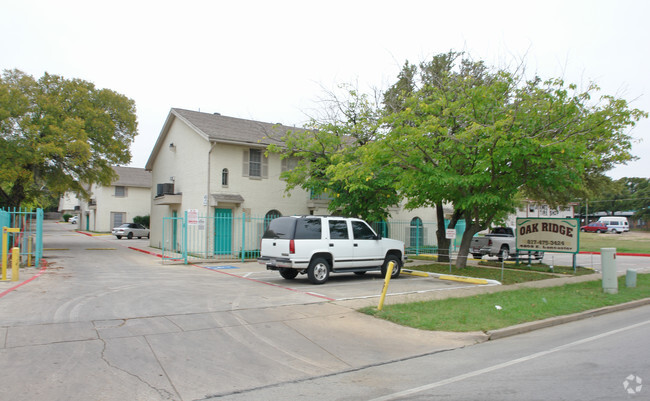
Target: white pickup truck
<point>502,243</point>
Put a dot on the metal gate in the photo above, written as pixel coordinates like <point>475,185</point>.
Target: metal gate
<point>221,237</point>
<point>29,238</point>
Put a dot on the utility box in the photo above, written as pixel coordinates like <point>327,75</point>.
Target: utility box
<point>608,265</point>
<point>630,278</point>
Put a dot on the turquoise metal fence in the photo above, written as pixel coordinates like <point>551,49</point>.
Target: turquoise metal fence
<point>30,237</point>
<point>224,237</point>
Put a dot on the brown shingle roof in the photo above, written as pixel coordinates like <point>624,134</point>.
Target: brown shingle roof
<point>132,177</point>
<point>231,129</point>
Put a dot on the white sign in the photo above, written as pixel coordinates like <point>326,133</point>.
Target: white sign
<point>550,235</point>
<point>193,217</point>
<point>450,233</point>
<point>202,224</point>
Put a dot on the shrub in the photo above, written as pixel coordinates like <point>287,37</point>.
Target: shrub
<point>144,220</point>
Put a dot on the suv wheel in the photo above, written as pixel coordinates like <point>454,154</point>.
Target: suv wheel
<point>318,271</point>
<point>288,273</point>
<point>396,268</point>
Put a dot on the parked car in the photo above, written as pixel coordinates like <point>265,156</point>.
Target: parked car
<point>502,243</point>
<point>320,245</point>
<point>130,230</point>
<point>73,220</point>
<point>595,227</point>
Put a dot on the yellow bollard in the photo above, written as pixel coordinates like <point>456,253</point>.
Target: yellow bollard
<point>389,271</point>
<point>6,230</point>
<point>29,251</point>
<point>15,263</point>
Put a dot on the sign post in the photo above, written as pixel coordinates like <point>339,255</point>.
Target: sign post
<point>450,234</point>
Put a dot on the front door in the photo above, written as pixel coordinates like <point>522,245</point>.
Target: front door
<point>340,244</point>
<point>222,231</point>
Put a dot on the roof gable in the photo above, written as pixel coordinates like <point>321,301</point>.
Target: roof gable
<point>132,177</point>
<point>214,127</point>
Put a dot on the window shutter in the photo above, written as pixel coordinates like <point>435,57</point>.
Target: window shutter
<point>265,166</point>
<point>246,163</point>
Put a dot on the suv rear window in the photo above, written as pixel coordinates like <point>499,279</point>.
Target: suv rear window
<point>308,229</point>
<point>281,228</point>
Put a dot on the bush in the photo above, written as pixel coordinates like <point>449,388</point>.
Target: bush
<point>144,220</point>
<point>66,217</point>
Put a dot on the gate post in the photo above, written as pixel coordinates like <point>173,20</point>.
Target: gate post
<point>39,238</point>
<point>243,236</point>
<point>185,238</point>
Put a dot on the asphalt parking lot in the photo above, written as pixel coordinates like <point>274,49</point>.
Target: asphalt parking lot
<point>340,286</point>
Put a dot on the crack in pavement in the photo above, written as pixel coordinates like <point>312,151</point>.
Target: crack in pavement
<point>165,394</point>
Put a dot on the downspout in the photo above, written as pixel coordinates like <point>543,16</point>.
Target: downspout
<point>208,202</point>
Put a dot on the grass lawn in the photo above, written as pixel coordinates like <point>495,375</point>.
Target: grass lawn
<point>480,313</point>
<point>631,242</point>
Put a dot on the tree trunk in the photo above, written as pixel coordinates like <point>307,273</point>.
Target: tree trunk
<point>463,252</point>
<point>443,242</point>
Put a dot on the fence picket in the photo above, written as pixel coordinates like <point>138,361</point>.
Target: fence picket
<point>224,237</point>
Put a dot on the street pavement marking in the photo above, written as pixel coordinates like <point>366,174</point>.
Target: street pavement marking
<point>408,392</point>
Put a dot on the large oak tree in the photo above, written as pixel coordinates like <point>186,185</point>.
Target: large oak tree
<point>482,138</point>
<point>59,134</point>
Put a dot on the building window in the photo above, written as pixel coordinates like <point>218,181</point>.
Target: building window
<point>417,232</point>
<point>224,177</point>
<point>255,164</point>
<point>270,215</point>
<point>289,164</point>
<point>120,191</point>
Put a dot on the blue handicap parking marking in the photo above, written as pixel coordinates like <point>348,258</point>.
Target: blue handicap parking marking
<point>221,267</point>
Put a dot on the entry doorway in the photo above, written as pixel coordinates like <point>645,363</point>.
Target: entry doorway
<point>222,231</point>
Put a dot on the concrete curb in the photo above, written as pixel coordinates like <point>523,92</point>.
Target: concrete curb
<point>450,277</point>
<point>555,321</point>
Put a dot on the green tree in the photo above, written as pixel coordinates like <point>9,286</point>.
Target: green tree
<point>58,135</point>
<point>330,158</point>
<point>480,139</point>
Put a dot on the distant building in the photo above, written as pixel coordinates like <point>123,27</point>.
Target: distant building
<point>128,196</point>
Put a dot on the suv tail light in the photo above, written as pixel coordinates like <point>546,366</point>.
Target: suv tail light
<point>292,246</point>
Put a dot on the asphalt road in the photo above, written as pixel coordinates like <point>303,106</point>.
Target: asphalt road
<point>105,322</point>
<point>603,358</point>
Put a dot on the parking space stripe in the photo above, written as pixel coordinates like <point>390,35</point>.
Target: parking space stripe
<point>267,283</point>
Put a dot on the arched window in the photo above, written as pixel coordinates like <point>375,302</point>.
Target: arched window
<point>224,177</point>
<point>270,215</point>
<point>417,234</point>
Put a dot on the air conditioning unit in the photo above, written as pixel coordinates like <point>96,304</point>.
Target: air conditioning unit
<point>165,189</point>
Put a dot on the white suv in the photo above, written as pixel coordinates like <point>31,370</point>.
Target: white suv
<point>320,245</point>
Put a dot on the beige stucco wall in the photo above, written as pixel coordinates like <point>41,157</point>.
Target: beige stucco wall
<point>136,203</point>
<point>188,163</point>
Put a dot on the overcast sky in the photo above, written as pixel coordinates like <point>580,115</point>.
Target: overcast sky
<point>269,60</point>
